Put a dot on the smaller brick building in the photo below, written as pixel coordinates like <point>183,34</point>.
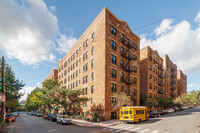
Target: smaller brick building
<point>151,73</point>
<point>181,83</point>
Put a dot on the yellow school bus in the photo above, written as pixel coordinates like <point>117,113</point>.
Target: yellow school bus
<point>133,114</point>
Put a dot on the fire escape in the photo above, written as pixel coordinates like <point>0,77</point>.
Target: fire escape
<point>126,65</point>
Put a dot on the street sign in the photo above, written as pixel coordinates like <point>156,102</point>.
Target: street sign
<point>2,98</point>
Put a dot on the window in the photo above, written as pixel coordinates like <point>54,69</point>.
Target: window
<point>77,52</point>
<point>92,89</point>
<point>150,86</point>
<point>79,59</point>
<point>79,49</point>
<point>113,45</point>
<point>122,37</point>
<point>76,63</point>
<point>86,91</point>
<point>92,50</point>
<point>65,64</point>
<point>135,69</point>
<point>113,73</point>
<point>150,58</point>
<point>86,79</point>
<point>92,76</point>
<point>134,57</point>
<point>113,87</point>
<point>122,88</point>
<point>113,101</point>
<point>150,67</point>
<point>128,40</point>
<point>122,63</point>
<point>150,95</point>
<point>86,104</point>
<point>113,59</point>
<point>86,67</point>
<point>92,36</point>
<point>113,30</point>
<point>76,73</point>
<point>86,55</point>
<point>122,75</point>
<point>135,80</point>
<point>76,83</point>
<point>86,43</point>
<point>135,92</point>
<point>91,101</point>
<point>122,49</point>
<point>134,46</point>
<point>83,80</point>
<point>92,63</point>
<point>83,68</point>
<point>150,76</point>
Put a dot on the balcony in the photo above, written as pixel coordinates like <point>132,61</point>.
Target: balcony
<point>161,91</point>
<point>160,67</point>
<point>128,69</point>
<point>125,42</point>
<point>173,88</point>
<point>173,69</point>
<point>161,83</point>
<point>161,75</point>
<point>173,82</point>
<point>125,55</point>
<point>127,80</point>
<point>173,75</point>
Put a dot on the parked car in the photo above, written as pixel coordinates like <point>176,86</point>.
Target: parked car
<point>10,117</point>
<point>152,114</point>
<point>157,113</point>
<point>49,117</point>
<point>39,114</point>
<point>165,111</point>
<point>172,111</point>
<point>45,116</point>
<point>15,114</point>
<point>52,117</point>
<point>175,109</point>
<point>64,119</point>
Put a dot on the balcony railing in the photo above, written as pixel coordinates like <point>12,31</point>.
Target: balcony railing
<point>160,67</point>
<point>161,91</point>
<point>173,69</point>
<point>127,80</point>
<point>161,75</point>
<point>173,82</point>
<point>125,55</point>
<point>161,83</point>
<point>128,69</point>
<point>173,75</point>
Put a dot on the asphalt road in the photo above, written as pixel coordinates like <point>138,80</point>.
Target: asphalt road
<point>187,121</point>
<point>33,124</point>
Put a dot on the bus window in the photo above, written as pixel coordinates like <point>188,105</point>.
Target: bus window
<point>131,112</point>
<point>126,112</point>
<point>122,112</point>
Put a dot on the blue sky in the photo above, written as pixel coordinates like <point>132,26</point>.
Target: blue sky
<point>49,26</point>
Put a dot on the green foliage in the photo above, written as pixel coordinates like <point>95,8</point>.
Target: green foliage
<point>95,117</point>
<point>52,95</point>
<point>190,98</point>
<point>12,88</point>
<point>148,102</point>
<point>165,101</point>
<point>1,122</point>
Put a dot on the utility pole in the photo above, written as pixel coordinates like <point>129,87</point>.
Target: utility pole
<point>3,89</point>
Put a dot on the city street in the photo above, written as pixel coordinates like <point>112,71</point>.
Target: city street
<point>187,121</point>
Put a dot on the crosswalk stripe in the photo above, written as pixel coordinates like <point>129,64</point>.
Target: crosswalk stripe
<point>144,130</point>
<point>155,131</point>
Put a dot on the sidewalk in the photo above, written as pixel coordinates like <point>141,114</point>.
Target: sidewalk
<point>8,127</point>
<point>95,124</point>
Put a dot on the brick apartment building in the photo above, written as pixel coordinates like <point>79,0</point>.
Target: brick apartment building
<point>104,61</point>
<point>170,70</point>
<point>181,83</point>
<point>53,74</point>
<point>151,73</point>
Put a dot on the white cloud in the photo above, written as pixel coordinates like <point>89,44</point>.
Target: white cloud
<point>28,31</point>
<point>179,41</point>
<point>38,84</point>
<point>26,91</point>
<point>52,8</point>
<point>197,19</point>
<point>193,85</point>
<point>65,43</point>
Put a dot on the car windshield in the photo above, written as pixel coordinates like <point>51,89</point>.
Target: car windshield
<point>11,115</point>
<point>65,116</point>
<point>53,114</point>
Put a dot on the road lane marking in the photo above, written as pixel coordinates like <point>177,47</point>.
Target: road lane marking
<point>144,130</point>
<point>155,131</point>
<point>52,130</point>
